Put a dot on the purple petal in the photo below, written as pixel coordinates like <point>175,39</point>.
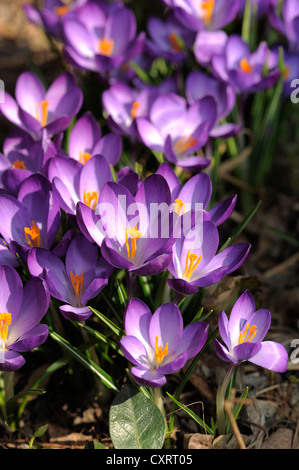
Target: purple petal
<point>79,314</point>
<point>11,361</point>
<point>29,92</point>
<point>223,328</point>
<point>223,210</point>
<point>155,266</point>
<point>242,309</point>
<point>11,292</point>
<point>81,256</point>
<point>32,339</point>
<point>134,351</point>
<point>10,110</point>
<point>85,134</point>
<point>95,173</point>
<point>167,325</point>
<point>137,320</point>
<point>222,352</point>
<point>148,378</point>
<point>89,223</point>
<point>174,365</point>
<point>245,351</point>
<point>193,339</point>
<point>272,356</point>
<point>173,181</point>
<point>197,190</point>
<point>110,146</point>
<point>181,286</point>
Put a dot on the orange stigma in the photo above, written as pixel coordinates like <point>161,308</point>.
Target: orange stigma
<point>251,334</point>
<point>207,8</point>
<point>134,109</point>
<point>44,115</point>
<point>134,235</point>
<point>91,199</point>
<point>245,66</point>
<point>286,73</point>
<point>60,11</point>
<point>5,321</point>
<point>32,235</point>
<point>175,42</point>
<point>19,164</point>
<point>84,157</point>
<point>192,261</point>
<point>184,143</point>
<point>159,352</point>
<point>179,206</point>
<point>106,46</point>
<point>77,283</point>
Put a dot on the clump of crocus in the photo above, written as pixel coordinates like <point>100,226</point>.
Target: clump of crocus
<point>157,344</point>
<point>21,310</point>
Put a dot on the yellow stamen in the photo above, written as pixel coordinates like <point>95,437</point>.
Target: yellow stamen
<point>159,352</point>
<point>245,66</point>
<point>60,11</point>
<point>19,164</point>
<point>252,332</point>
<point>5,321</point>
<point>44,107</point>
<point>134,109</point>
<point>84,157</point>
<point>91,199</point>
<point>207,8</point>
<point>32,235</point>
<point>192,261</point>
<point>134,235</point>
<point>106,46</point>
<point>175,42</point>
<point>77,283</point>
<point>179,206</point>
<point>184,143</point>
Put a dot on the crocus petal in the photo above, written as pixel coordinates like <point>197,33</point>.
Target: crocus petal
<point>134,351</point>
<point>222,210</point>
<point>181,286</point>
<point>174,365</point>
<point>89,223</point>
<point>223,353</point>
<point>223,328</point>
<point>272,356</point>
<point>85,133</point>
<point>11,292</point>
<point>149,134</point>
<point>110,146</point>
<point>167,325</point>
<point>94,288</point>
<point>137,319</point>
<point>81,255</point>
<point>197,190</point>
<point>262,320</point>
<point>148,378</point>
<point>11,361</point>
<point>193,339</point>
<point>245,351</point>
<point>243,308</point>
<point>29,92</point>
<point>75,313</point>
<point>10,110</point>
<point>32,339</point>
<point>155,266</point>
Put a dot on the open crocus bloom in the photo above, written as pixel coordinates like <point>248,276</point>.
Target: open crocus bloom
<point>195,261</point>
<point>21,310</point>
<point>157,344</point>
<point>179,130</point>
<point>210,15</point>
<point>75,282</point>
<point>243,335</point>
<point>36,110</point>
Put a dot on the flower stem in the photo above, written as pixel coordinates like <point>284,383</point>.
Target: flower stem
<point>221,395</point>
<point>159,400</point>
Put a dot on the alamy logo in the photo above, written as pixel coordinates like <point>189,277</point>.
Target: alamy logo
<point>295,93</point>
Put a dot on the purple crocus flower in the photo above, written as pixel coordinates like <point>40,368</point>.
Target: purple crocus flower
<point>73,182</point>
<point>168,39</point>
<point>135,233</point>
<point>6,257</point>
<point>179,130</point>
<point>39,112</point>
<point>243,334</point>
<point>207,44</point>
<point>157,344</point>
<point>31,219</point>
<point>81,278</point>
<point>49,17</point>
<point>195,261</point>
<point>197,190</point>
<point>244,70</point>
<point>288,22</point>
<point>200,84</point>
<point>86,140</point>
<point>21,310</point>
<point>204,14</point>
<point>101,39</point>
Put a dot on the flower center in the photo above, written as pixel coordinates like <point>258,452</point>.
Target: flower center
<point>251,330</point>
<point>245,66</point>
<point>134,235</point>
<point>77,283</point>
<point>19,164</point>
<point>175,42</point>
<point>159,352</point>
<point>134,109</point>
<point>105,46</point>
<point>192,261</point>
<point>184,143</point>
<point>60,11</point>
<point>84,157</point>
<point>32,235</point>
<point>44,112</point>
<point>91,198</point>
<point>179,206</point>
<point>207,8</point>
<point>5,321</point>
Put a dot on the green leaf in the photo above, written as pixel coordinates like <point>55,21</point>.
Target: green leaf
<point>95,445</point>
<point>116,329</point>
<point>192,414</point>
<point>135,421</point>
<point>26,393</point>
<point>85,361</point>
<point>38,433</point>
